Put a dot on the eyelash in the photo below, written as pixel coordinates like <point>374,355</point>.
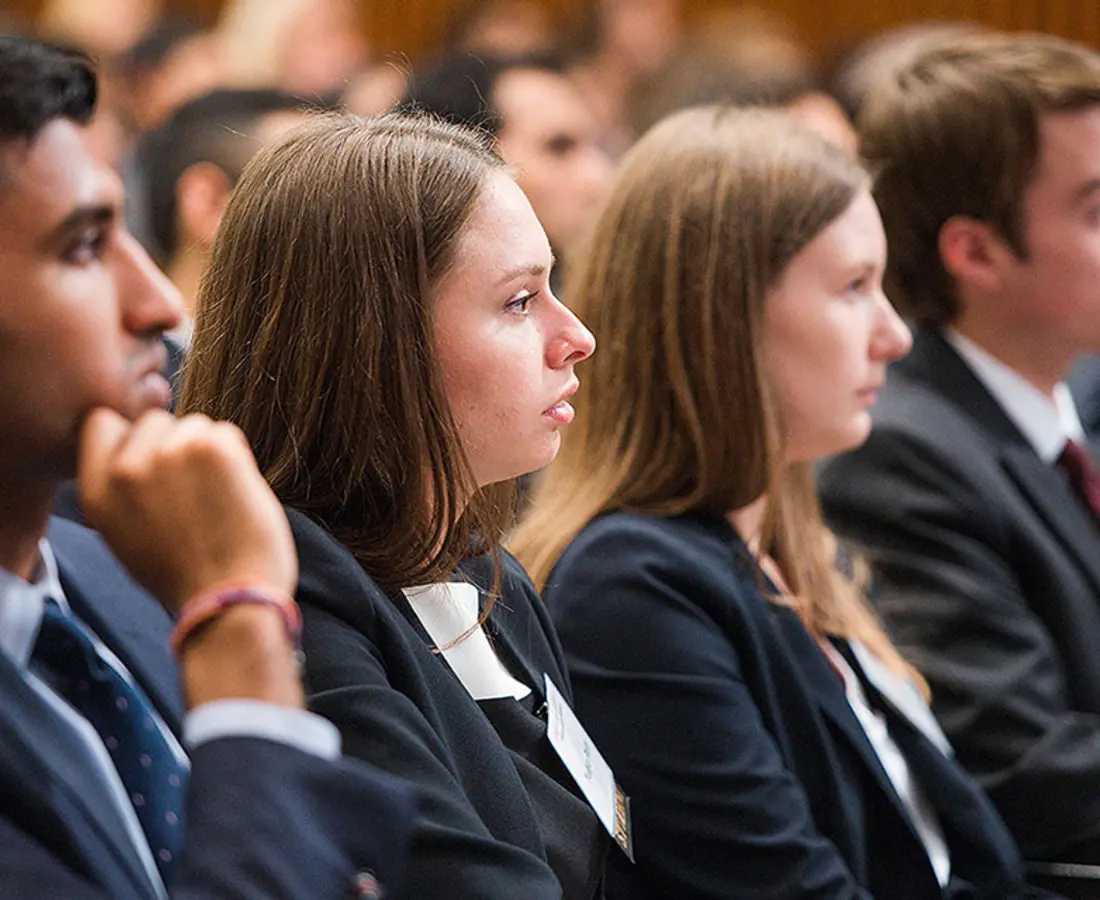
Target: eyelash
<point>90,241</point>
<point>860,285</point>
<point>519,304</point>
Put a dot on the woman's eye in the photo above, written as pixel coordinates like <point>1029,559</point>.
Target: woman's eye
<point>86,247</point>
<point>521,301</point>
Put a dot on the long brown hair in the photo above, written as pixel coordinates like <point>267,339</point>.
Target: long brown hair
<point>314,335</point>
<point>675,413</point>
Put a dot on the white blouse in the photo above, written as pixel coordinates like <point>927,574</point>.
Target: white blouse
<point>912,796</point>
<point>448,611</point>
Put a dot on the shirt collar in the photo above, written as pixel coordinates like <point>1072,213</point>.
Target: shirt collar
<point>1046,422</point>
<point>22,602</point>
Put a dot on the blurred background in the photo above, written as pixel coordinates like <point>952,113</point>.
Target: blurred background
<point>415,27</point>
<point>191,88</point>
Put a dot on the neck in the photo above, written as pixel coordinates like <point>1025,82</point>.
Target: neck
<point>24,517</point>
<point>749,520</point>
<point>1042,361</point>
<point>186,270</point>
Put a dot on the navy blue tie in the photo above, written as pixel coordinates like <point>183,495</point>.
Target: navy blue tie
<point>156,781</point>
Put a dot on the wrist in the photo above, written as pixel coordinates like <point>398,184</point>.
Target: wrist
<point>246,652</point>
<point>206,607</point>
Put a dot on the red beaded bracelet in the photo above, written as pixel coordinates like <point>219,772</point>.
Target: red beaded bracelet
<point>211,603</point>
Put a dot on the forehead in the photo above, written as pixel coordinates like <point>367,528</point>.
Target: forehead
<point>538,99</point>
<point>44,180</point>
<point>1069,154</point>
<point>855,236</point>
<point>501,235</point>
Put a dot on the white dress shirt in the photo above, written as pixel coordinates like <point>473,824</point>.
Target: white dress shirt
<point>1046,422</point>
<point>449,612</point>
<point>921,813</point>
<point>21,608</point>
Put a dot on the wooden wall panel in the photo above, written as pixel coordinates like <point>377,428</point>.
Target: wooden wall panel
<point>416,26</point>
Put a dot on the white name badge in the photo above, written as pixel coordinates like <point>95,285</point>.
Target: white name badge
<point>588,768</point>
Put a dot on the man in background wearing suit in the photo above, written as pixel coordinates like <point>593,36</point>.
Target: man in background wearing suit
<point>975,498</point>
<point>97,797</point>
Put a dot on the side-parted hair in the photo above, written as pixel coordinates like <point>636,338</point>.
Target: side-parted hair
<point>314,335</point>
<point>957,133</point>
<point>40,82</point>
<point>675,413</point>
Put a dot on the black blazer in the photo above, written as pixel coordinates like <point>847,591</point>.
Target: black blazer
<point>748,773</point>
<point>371,670</point>
<point>987,569</point>
<point>262,818</point>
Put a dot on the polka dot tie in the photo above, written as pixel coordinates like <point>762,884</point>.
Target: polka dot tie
<point>65,657</point>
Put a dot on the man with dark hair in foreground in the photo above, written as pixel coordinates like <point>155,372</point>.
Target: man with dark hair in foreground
<point>97,797</point>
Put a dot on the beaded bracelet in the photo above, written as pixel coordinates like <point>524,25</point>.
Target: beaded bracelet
<point>210,604</point>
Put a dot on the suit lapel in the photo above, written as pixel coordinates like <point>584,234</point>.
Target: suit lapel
<point>982,850</point>
<point>40,755</point>
<point>521,664</point>
<point>1058,505</point>
<point>827,688</point>
<point>901,694</point>
<point>821,680</point>
<point>934,362</point>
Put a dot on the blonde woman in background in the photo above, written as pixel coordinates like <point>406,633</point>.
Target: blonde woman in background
<point>772,740</point>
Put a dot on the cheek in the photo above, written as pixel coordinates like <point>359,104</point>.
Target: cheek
<point>815,372</point>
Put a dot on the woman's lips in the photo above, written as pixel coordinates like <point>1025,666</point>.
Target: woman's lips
<point>561,412</point>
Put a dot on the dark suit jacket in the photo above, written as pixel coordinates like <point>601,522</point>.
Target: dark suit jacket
<point>263,819</point>
<point>987,570</point>
<point>1084,382</point>
<point>371,670</point>
<point>748,773</point>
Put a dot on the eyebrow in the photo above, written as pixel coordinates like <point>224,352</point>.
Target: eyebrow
<point>535,271</point>
<point>93,214</point>
<point>1089,188</point>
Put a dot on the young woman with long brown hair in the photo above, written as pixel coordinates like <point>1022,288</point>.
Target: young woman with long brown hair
<point>772,740</point>
<point>377,319</point>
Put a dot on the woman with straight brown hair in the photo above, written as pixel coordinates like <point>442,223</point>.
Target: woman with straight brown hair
<point>773,742</point>
<point>377,319</point>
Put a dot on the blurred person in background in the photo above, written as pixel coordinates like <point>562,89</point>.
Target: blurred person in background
<point>104,29</point>
<point>376,88</point>
<point>501,28</point>
<point>620,43</point>
<point>851,73</point>
<point>976,497</point>
<point>773,741</point>
<point>171,63</point>
<point>305,47</point>
<point>541,127</point>
<point>742,57</point>
<point>191,165</point>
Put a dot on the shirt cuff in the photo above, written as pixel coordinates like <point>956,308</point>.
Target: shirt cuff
<point>298,728</point>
